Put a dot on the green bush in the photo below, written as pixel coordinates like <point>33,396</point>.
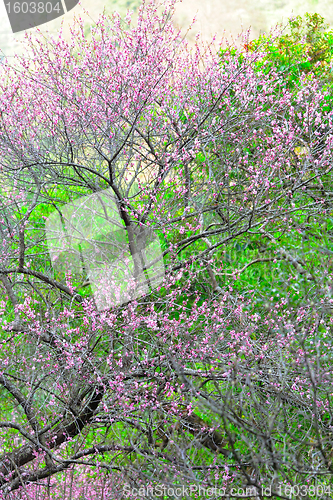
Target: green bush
<point>304,47</point>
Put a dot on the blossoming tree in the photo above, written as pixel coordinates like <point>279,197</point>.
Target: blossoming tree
<point>219,375</point>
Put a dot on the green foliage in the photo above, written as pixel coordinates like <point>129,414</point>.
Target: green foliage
<point>306,48</point>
